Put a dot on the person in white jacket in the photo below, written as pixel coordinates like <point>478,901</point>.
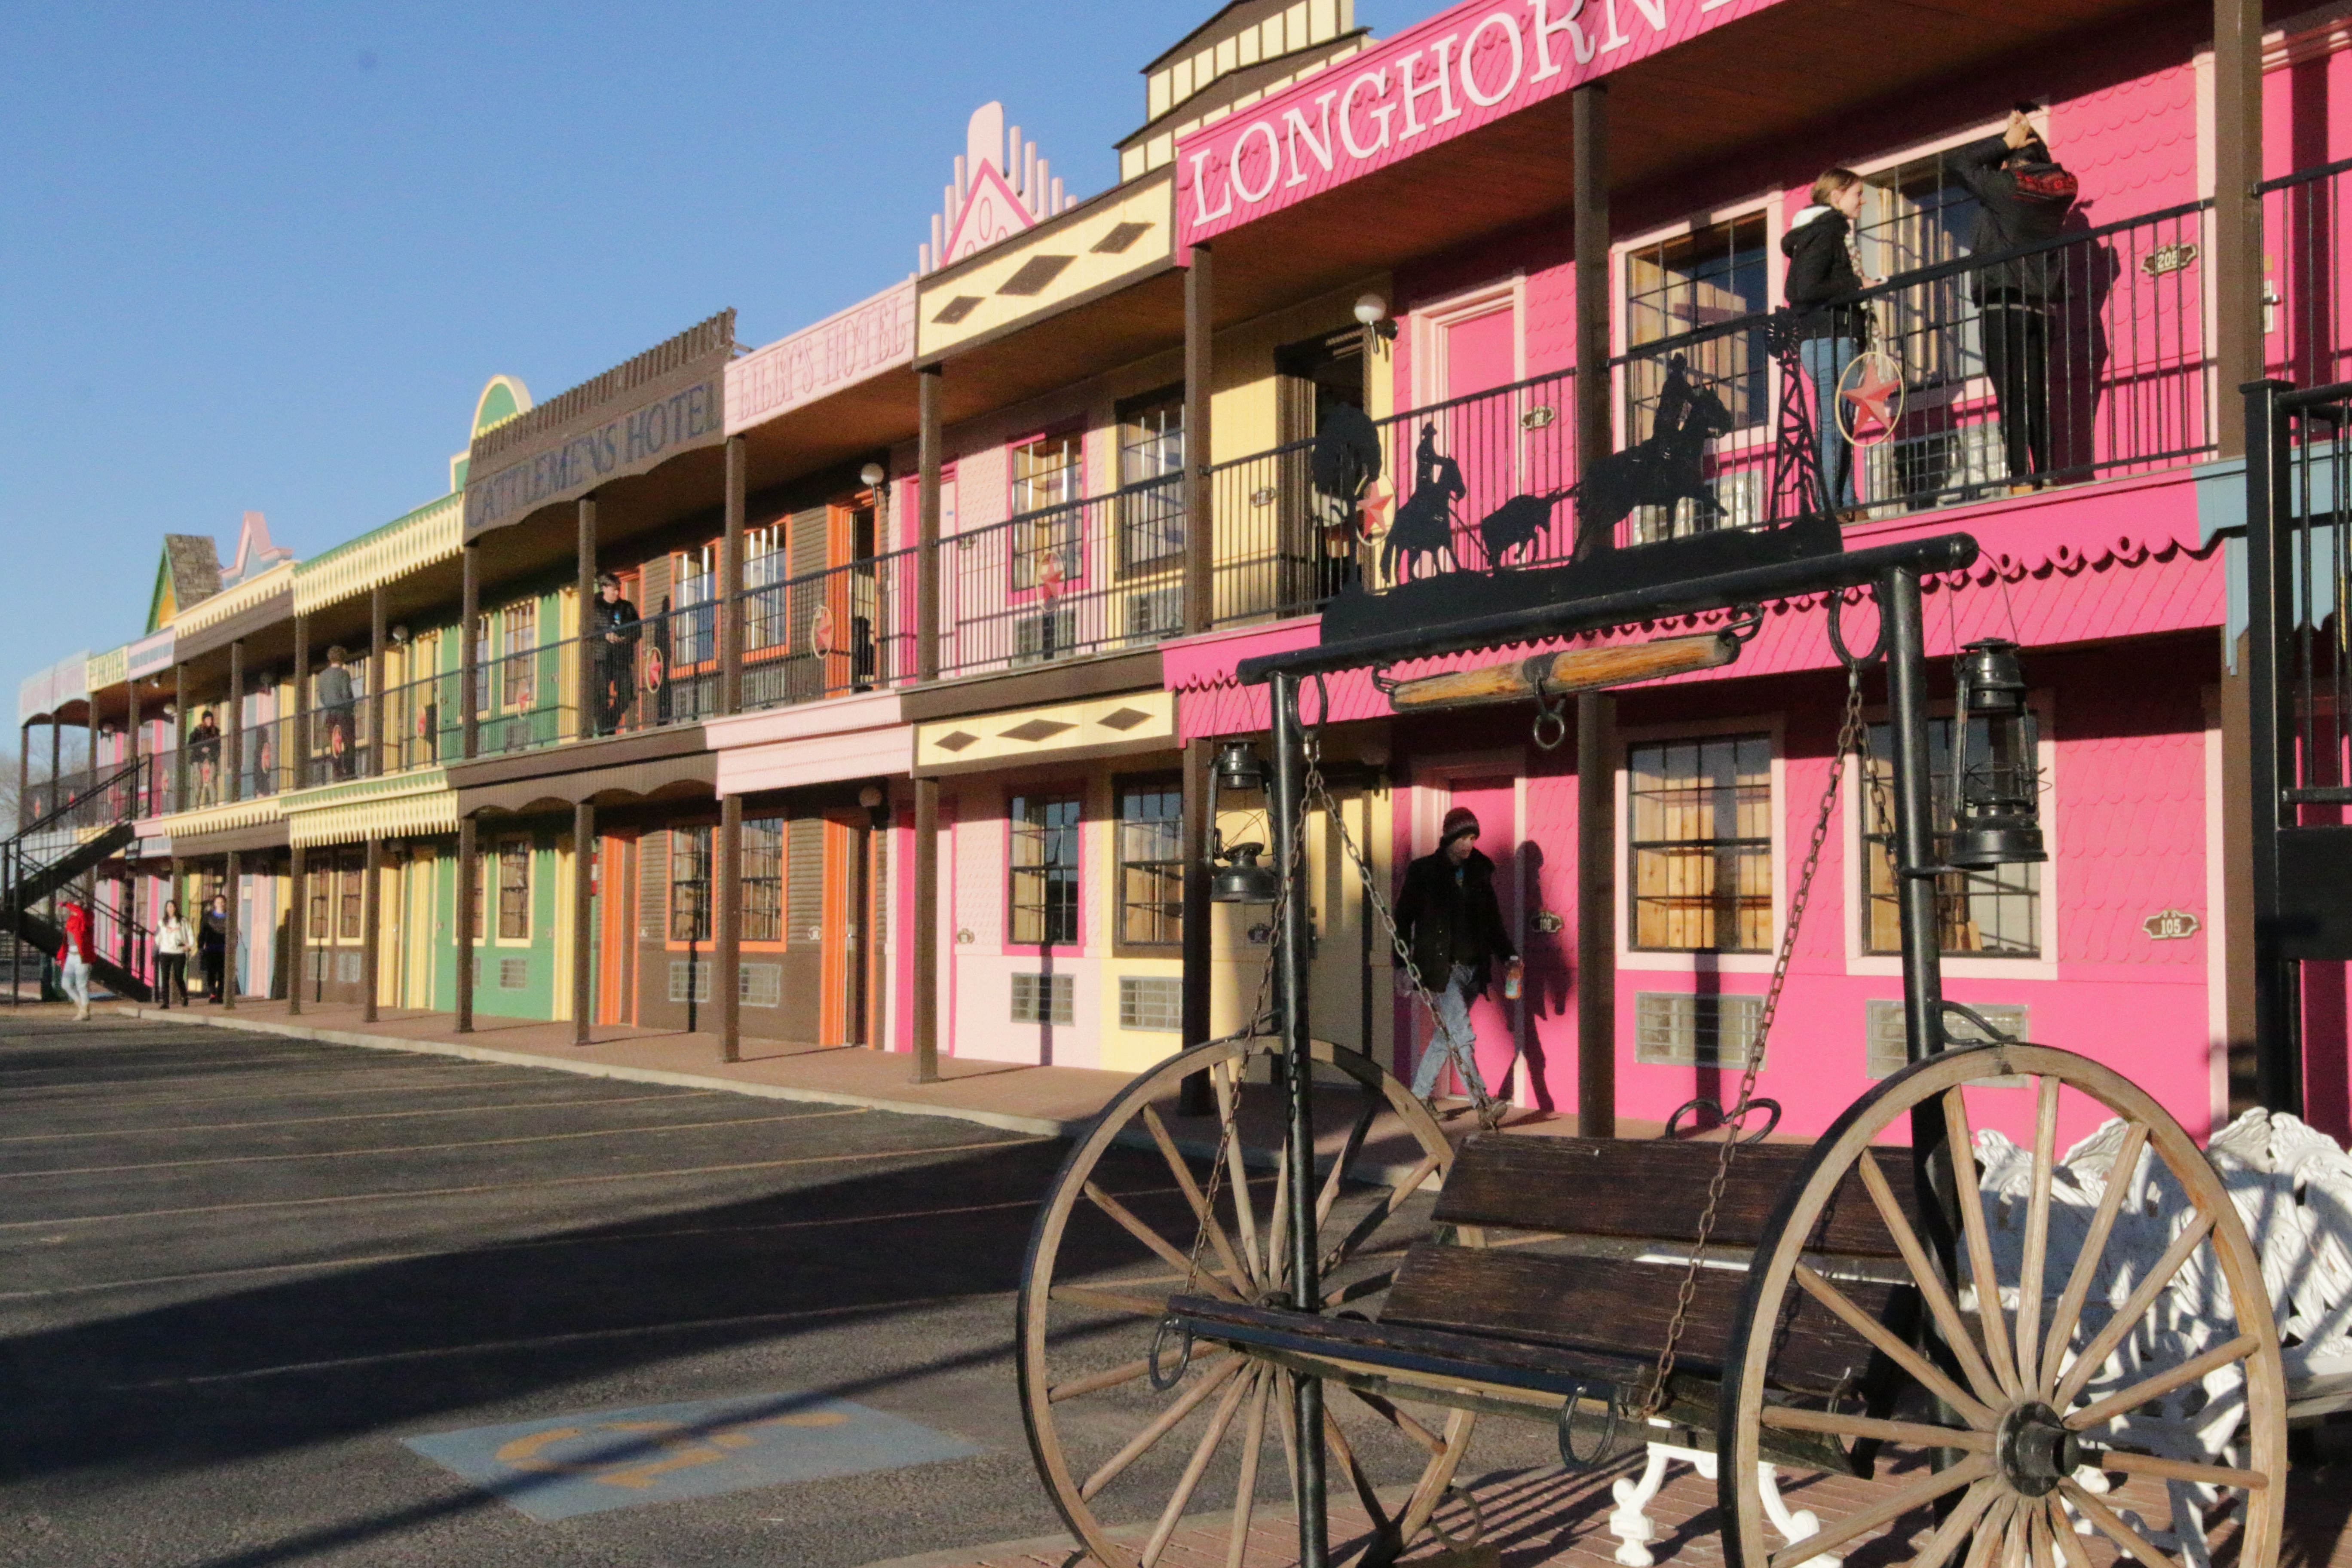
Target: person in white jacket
<point>173,942</point>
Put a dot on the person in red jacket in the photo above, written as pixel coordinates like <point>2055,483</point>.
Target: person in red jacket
<point>73,957</point>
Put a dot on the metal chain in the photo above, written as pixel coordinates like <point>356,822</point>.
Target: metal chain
<point>1854,737</point>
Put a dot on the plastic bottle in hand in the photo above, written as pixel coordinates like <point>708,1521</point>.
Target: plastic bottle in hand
<point>1514,973</point>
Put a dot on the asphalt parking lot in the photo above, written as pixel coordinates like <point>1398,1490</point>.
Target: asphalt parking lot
<point>263,1301</point>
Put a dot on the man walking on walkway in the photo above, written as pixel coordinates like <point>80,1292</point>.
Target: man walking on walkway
<point>1453,926</point>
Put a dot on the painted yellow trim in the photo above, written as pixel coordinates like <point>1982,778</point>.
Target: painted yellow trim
<point>434,534</point>
<point>233,601</point>
<point>1043,731</point>
<point>974,297</point>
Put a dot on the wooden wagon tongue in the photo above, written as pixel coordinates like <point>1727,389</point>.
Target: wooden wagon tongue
<point>1561,674</point>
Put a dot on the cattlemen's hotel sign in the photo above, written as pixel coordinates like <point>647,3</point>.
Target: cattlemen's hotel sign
<point>631,419</point>
<point>1460,69</point>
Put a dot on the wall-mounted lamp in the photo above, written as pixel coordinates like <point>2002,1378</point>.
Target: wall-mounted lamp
<point>1372,315</point>
<point>399,636</point>
<point>872,474</point>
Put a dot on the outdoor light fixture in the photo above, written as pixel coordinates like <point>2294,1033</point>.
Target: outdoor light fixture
<point>399,636</point>
<point>1996,795</point>
<point>872,474</point>
<point>1238,767</point>
<point>1242,879</point>
<point>1370,308</point>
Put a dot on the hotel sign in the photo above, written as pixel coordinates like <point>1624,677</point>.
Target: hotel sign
<point>1453,73</point>
<point>840,351</point>
<point>667,401</point>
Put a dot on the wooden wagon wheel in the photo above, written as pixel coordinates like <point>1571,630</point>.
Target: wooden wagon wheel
<point>1129,1424</point>
<point>2071,1361</point>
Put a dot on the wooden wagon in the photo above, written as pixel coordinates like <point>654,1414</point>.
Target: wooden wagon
<point>1317,1284</point>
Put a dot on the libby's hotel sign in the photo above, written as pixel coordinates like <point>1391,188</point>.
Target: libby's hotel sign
<point>1459,71</point>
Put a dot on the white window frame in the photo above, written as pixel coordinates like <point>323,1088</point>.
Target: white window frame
<point>1651,959</point>
<point>1859,960</point>
<point>1431,321</point>
<point>1772,204</point>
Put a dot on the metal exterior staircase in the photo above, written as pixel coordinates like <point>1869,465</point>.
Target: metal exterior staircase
<point>27,880</point>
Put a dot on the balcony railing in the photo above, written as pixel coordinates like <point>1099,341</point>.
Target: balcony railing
<point>848,629</point>
<point>421,728</point>
<point>1063,582</point>
<point>2307,281</point>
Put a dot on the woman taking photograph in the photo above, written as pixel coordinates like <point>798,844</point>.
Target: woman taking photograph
<point>1823,267</point>
<point>172,941</point>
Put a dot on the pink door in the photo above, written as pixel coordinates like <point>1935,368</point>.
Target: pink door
<point>1496,1021</point>
<point>1481,354</point>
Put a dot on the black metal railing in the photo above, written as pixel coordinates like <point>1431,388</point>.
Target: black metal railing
<point>421,728</point>
<point>1063,582</point>
<point>847,629</point>
<point>2078,358</point>
<point>2307,275</point>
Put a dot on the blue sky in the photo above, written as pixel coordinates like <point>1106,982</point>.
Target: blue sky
<point>264,256</point>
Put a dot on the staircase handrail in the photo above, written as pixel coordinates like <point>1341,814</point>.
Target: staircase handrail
<point>126,771</point>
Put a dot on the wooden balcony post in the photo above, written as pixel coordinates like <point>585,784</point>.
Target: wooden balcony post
<point>180,729</point>
<point>927,525</point>
<point>583,919</point>
<point>468,871</point>
<point>1596,711</point>
<point>371,919</point>
<point>731,586</point>
<point>729,929</point>
<point>299,743</point>
<point>2237,211</point>
<point>379,743</point>
<point>469,616</point>
<point>297,918</point>
<point>1200,366</point>
<point>232,874</point>
<point>1200,817</point>
<point>232,785</point>
<point>587,721</point>
<point>926,998</point>
<point>24,773</point>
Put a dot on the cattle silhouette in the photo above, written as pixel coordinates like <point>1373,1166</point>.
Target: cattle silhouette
<point>1516,524</point>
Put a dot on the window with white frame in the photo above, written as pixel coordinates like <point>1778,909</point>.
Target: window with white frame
<point>693,576</point>
<point>1705,277</point>
<point>1701,844</point>
<point>1047,475</point>
<point>765,564</point>
<point>1151,479</point>
<point>1978,914</point>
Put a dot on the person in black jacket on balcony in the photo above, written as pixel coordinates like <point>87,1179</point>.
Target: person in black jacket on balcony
<point>2024,197</point>
<point>614,628</point>
<point>1823,267</point>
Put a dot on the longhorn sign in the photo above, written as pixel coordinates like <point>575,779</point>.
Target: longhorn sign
<point>1556,674</point>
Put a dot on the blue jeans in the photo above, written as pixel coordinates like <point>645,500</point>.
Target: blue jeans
<point>1825,361</point>
<point>1453,1039</point>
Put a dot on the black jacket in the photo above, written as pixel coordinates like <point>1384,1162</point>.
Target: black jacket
<point>2018,204</point>
<point>1446,922</point>
<point>619,618</point>
<point>1820,269</point>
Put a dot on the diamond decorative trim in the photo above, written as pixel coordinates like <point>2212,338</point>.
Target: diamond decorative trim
<point>1035,275</point>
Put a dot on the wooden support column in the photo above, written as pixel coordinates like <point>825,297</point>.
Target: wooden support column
<point>729,929</point>
<point>1596,711</point>
<point>927,524</point>
<point>24,773</point>
<point>179,730</point>
<point>233,873</point>
<point>1199,369</point>
<point>298,916</point>
<point>56,753</point>
<point>583,919</point>
<point>925,1023</point>
<point>299,742</point>
<point>588,719</point>
<point>371,926</point>
<point>469,616</point>
<point>468,872</point>
<point>1193,1098</point>
<point>926,998</point>
<point>130,757</point>
<point>2237,259</point>
<point>731,586</point>
<point>233,781</point>
<point>379,665</point>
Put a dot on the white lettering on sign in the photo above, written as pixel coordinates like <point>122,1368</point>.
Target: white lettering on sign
<point>838,351</point>
<point>1465,67</point>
